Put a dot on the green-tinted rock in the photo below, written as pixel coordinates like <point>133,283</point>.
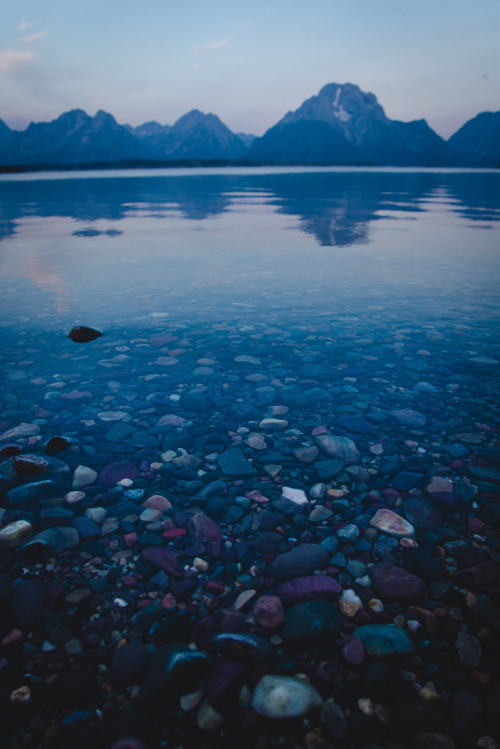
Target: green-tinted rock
<point>384,639</point>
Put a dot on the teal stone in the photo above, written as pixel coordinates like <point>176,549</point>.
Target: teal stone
<point>384,639</point>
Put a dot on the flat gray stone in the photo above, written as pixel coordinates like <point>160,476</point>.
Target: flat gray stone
<point>233,463</point>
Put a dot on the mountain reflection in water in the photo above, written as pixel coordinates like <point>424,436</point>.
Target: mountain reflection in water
<point>337,207</point>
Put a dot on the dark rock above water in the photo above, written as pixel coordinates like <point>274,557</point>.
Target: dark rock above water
<point>82,334</point>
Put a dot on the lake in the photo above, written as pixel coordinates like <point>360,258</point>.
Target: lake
<point>284,442</point>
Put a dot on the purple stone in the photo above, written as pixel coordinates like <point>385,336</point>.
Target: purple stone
<point>354,652</point>
<point>311,588</point>
<point>394,583</point>
<point>164,559</point>
<point>115,472</point>
<point>205,529</point>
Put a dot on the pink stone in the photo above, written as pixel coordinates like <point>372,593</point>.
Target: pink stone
<point>130,539</point>
<point>174,533</point>
<point>256,496</point>
<point>268,611</point>
<point>157,502</point>
<point>354,652</point>
<point>319,430</point>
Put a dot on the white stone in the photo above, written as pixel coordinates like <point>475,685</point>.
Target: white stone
<point>74,497</point>
<point>113,416</point>
<point>96,514</point>
<point>207,718</point>
<point>273,424</point>
<point>23,430</point>
<point>294,495</point>
<point>284,697</point>
<point>83,476</point>
<point>15,534</point>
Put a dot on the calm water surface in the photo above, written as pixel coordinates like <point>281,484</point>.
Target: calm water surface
<point>115,249</point>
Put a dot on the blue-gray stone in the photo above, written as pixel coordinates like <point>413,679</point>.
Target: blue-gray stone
<point>86,527</point>
<point>233,463</point>
<point>384,639</point>
<point>31,492</point>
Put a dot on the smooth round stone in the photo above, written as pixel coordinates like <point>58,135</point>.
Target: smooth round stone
<point>406,480</point>
<point>83,334</point>
<point>313,619</point>
<point>340,448</point>
<point>52,540</point>
<point>300,561</point>
<point>29,465</point>
<point>389,522</point>
<point>240,646</point>
<point>115,472</point>
<point>74,497</point>
<point>174,670</point>
<point>319,514</point>
<point>396,584</point>
<point>28,603</point>
<point>333,719</point>
<point>468,649</point>
<point>422,513</point>
<point>353,652</point>
<point>306,454</point>
<point>157,502</point>
<point>268,611</point>
<point>384,639</point>
<point>349,532</point>
<point>7,451</point>
<point>409,418</point>
<point>15,534</point>
<point>113,415</point>
<point>356,424</point>
<point>149,516</point>
<point>83,476</point>
<point>273,425</point>
<point>23,430</point>
<point>309,588</point>
<point>284,697</point>
<point>96,514</point>
<point>30,492</point>
<point>129,661</point>
<point>256,441</point>
<point>56,445</point>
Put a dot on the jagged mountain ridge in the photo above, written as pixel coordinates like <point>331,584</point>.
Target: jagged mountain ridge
<point>363,133</point>
<point>477,143</point>
<point>340,125</point>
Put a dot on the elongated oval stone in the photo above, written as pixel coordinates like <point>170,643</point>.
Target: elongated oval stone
<point>15,534</point>
<point>389,522</point>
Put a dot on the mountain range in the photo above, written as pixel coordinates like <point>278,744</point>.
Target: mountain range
<point>340,125</point>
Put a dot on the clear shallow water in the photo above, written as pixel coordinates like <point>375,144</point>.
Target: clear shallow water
<point>362,303</point>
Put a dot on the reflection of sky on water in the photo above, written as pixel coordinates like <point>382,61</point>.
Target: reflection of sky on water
<point>125,245</point>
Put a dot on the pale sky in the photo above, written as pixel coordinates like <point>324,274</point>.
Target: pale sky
<point>247,62</point>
